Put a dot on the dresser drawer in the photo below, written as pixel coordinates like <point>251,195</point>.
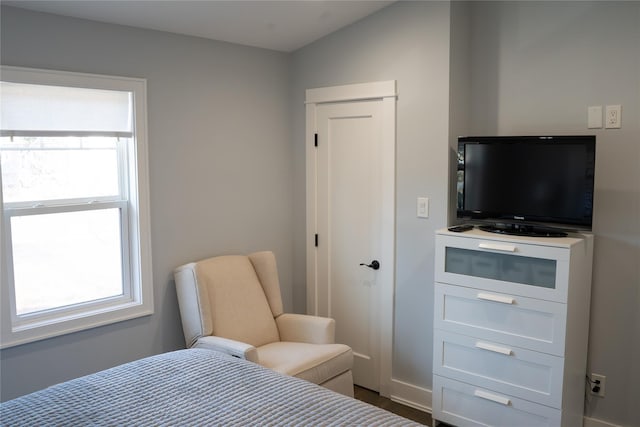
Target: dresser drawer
<point>506,369</point>
<point>534,271</point>
<point>514,320</point>
<point>464,405</point>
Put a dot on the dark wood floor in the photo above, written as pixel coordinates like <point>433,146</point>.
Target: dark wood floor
<point>374,399</point>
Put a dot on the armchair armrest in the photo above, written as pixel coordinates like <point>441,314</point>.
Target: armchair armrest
<point>305,328</point>
<point>230,347</point>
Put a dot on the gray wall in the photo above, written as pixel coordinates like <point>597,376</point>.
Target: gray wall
<point>483,68</point>
<point>513,68</point>
<point>407,42</point>
<point>459,92</point>
<point>536,67</point>
<point>220,169</point>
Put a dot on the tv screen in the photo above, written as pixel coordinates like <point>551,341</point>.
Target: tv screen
<point>538,180</point>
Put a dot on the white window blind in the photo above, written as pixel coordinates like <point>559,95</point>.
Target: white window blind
<point>29,108</point>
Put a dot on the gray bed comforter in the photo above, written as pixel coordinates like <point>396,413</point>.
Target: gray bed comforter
<point>191,388</point>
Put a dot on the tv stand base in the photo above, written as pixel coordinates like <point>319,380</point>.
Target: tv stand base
<point>522,230</point>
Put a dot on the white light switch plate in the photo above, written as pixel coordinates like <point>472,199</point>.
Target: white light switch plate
<point>423,207</point>
<point>594,117</point>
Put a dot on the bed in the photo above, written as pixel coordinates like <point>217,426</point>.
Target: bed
<point>191,387</point>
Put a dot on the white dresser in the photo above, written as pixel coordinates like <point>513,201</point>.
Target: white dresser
<point>511,329</point>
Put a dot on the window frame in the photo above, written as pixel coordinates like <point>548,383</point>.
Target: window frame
<point>133,203</point>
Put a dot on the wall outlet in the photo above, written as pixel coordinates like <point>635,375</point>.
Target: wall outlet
<point>597,383</point>
<point>612,119</point>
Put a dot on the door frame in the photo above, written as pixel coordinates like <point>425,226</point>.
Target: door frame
<point>386,92</point>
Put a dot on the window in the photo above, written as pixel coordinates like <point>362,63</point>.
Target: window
<point>75,247</point>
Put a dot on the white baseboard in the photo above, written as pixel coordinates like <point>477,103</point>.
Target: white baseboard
<point>421,398</point>
<point>592,422</point>
<point>411,395</point>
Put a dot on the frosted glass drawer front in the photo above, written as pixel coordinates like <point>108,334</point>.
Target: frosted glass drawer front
<point>505,368</point>
<point>465,405</point>
<point>524,322</point>
<point>519,269</point>
<point>524,269</point>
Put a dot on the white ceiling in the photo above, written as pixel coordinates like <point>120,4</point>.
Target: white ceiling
<point>278,25</point>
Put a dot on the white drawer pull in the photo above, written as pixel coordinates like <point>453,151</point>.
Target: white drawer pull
<point>497,247</point>
<point>494,348</point>
<point>492,397</point>
<point>496,298</point>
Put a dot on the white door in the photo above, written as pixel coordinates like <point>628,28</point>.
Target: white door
<point>353,220</point>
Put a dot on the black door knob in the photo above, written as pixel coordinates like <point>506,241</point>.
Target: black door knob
<point>374,264</point>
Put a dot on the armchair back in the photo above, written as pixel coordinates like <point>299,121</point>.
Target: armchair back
<point>230,297</point>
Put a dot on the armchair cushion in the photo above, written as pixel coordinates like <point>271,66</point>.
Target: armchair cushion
<point>311,362</point>
<point>305,328</point>
<point>237,304</point>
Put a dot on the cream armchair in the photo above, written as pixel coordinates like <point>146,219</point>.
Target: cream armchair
<point>233,304</point>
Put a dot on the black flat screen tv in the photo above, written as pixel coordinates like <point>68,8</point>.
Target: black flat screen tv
<point>530,185</point>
